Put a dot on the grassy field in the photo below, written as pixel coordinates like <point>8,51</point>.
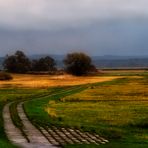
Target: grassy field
<point>44,81</point>
<point>116,110</point>
<point>123,72</point>
<point>114,105</point>
<point>24,87</point>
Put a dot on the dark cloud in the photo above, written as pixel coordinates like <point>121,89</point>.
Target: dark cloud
<point>60,26</point>
<point>110,37</point>
<point>59,14</point>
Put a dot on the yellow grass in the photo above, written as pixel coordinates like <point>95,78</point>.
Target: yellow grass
<point>134,89</point>
<point>40,81</point>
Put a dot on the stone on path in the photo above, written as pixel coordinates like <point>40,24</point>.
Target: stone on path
<point>71,136</point>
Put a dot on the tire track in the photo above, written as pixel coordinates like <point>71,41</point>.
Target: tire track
<point>36,138</point>
<point>12,132</point>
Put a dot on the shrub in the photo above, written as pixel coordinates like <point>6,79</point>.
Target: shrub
<point>5,76</point>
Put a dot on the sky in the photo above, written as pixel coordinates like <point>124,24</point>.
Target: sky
<point>97,27</point>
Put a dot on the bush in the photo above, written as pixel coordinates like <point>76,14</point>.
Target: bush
<point>5,76</point>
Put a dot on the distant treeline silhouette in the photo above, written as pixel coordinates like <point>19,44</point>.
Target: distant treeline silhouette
<point>75,63</point>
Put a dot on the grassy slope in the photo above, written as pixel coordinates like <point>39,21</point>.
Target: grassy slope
<point>35,108</point>
<point>123,122</point>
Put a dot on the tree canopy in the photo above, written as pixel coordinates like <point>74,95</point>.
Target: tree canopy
<point>78,63</point>
<point>44,64</point>
<point>17,63</point>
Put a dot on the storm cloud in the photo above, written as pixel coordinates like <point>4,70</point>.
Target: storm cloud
<point>60,26</point>
<point>51,14</point>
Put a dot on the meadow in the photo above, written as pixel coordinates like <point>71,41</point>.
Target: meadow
<point>45,81</point>
<point>25,87</point>
<point>116,109</point>
<point>113,105</point>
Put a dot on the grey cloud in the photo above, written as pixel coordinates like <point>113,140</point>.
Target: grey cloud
<point>119,38</point>
<point>59,14</point>
<point>59,26</point>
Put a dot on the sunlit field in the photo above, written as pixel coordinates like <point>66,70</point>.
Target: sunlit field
<point>44,81</point>
<point>115,109</point>
<point>118,110</point>
<point>114,106</point>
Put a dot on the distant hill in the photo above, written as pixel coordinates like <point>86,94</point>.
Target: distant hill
<point>107,61</point>
<point>113,57</point>
<point>122,63</point>
<point>110,61</point>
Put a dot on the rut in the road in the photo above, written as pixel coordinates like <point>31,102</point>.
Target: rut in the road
<point>37,140</point>
<point>33,134</point>
<point>12,132</point>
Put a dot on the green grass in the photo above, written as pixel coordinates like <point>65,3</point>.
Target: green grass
<point>109,145</point>
<point>116,110</point>
<point>35,108</point>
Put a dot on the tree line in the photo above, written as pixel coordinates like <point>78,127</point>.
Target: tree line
<point>75,63</point>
